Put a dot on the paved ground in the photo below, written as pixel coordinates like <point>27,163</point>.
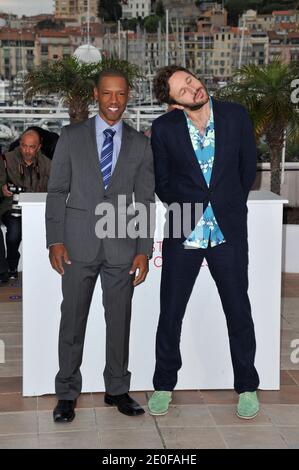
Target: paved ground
<point>197,419</point>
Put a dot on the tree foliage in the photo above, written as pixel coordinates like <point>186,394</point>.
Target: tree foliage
<point>267,93</point>
<point>73,81</point>
<point>160,10</point>
<point>109,10</point>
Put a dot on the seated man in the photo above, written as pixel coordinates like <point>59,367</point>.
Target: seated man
<point>49,140</point>
<point>25,169</point>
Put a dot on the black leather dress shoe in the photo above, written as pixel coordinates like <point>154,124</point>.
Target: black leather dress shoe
<point>125,404</point>
<point>64,411</point>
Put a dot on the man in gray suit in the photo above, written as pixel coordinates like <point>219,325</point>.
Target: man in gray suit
<point>95,162</point>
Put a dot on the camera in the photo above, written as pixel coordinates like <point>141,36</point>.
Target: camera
<point>16,190</point>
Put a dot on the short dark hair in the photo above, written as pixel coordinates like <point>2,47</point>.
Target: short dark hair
<point>161,82</point>
<point>110,73</point>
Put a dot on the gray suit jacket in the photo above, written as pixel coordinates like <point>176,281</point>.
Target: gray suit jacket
<point>76,187</point>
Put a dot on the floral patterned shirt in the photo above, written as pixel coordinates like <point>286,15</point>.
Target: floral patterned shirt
<point>207,227</point>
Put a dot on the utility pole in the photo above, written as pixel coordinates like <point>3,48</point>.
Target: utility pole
<point>177,40</point>
<point>159,46</point>
<point>127,45</point>
<point>144,47</point>
<point>204,53</point>
<point>88,21</point>
<point>242,44</point>
<point>183,47</point>
<point>119,40</point>
<point>167,39</point>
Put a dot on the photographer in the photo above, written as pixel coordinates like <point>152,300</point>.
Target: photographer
<point>25,169</point>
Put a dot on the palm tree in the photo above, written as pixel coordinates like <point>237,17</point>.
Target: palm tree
<point>74,81</point>
<point>266,92</point>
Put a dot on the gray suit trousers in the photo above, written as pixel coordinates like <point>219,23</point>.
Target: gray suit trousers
<point>78,283</point>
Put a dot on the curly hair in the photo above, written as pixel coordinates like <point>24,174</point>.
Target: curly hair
<point>161,83</point>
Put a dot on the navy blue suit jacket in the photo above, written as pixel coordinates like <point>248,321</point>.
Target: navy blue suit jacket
<point>180,179</point>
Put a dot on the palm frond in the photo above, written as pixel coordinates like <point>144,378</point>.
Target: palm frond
<point>68,77</point>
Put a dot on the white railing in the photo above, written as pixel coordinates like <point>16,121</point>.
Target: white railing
<point>15,120</point>
<point>138,115</point>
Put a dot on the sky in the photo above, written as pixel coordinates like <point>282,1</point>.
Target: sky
<point>26,7</point>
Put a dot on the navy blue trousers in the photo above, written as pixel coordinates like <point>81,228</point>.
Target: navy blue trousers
<point>228,265</point>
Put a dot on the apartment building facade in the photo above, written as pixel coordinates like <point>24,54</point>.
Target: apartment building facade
<point>136,8</point>
<point>73,8</point>
<point>18,52</point>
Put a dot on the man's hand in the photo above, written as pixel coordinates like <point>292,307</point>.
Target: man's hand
<point>5,191</point>
<point>58,254</point>
<point>140,262</point>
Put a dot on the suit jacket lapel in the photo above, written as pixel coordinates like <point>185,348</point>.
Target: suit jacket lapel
<point>187,147</point>
<point>124,151</point>
<point>120,167</point>
<point>92,141</point>
<point>220,125</point>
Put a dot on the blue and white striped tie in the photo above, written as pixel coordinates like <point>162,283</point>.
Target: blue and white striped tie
<point>106,156</point>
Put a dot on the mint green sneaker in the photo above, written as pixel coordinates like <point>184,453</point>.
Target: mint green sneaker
<point>158,404</point>
<point>248,406</point>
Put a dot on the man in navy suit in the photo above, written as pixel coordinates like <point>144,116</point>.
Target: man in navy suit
<point>204,152</point>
